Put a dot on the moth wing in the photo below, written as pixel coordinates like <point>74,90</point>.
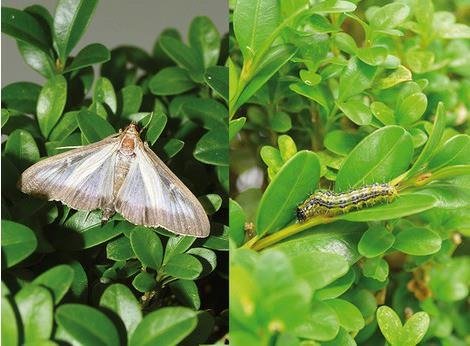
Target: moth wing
<point>81,178</point>
<point>153,196</point>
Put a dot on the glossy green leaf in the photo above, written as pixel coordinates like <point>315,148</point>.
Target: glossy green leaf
<point>401,74</point>
<point>337,287</point>
<point>207,258</point>
<point>453,152</point>
<point>389,324</point>
<point>57,279</point>
<point>403,206</point>
<point>177,245</point>
<point>21,149</point>
<point>166,326</point>
<point>357,112</point>
<point>411,108</point>
<point>350,318</point>
<point>322,325</point>
<point>375,241</point>
<point>10,333</point>
<point>356,78</point>
<point>94,53</point>
<point>280,122</point>
<point>210,113</point>
<point>171,81</point>
<point>147,246</point>
<point>24,27</point>
<point>205,40</point>
<point>389,16</point>
<point>217,78</point>
<point>415,328</point>
<point>65,127</point>
<point>290,186</point>
<point>212,147</point>
<point>187,293</point>
<point>21,96</point>
<point>341,142</point>
<point>119,249</point>
<point>183,56</point>
<point>37,59</point>
<point>18,242</point>
<point>287,147</point>
<point>314,93</point>
<point>85,325</point>
<point>375,268</point>
<point>417,241</point>
<point>35,306</point>
<point>94,128</point>
<point>372,55</point>
<point>131,99</point>
<point>104,93</point>
<point>333,7</point>
<point>144,282</point>
<point>235,127</point>
<point>382,112</point>
<point>183,266</point>
<point>253,23</point>
<point>156,127</point>
<point>211,203</point>
<point>172,147</point>
<point>51,103</point>
<point>381,156</point>
<point>237,222</point>
<point>274,60</point>
<point>70,21</point>
<point>119,299</point>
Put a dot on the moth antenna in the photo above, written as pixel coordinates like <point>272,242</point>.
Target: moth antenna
<point>86,216</point>
<point>70,147</point>
<point>147,124</point>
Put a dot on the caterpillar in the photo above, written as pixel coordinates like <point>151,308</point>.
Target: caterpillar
<point>329,203</point>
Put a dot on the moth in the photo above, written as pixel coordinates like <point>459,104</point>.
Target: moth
<point>119,174</point>
<point>329,203</point>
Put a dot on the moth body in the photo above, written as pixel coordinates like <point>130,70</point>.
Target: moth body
<point>119,174</point>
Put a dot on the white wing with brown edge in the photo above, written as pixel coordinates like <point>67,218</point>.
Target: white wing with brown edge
<point>81,178</point>
<point>153,196</point>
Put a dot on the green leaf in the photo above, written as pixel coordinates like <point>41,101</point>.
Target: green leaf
<point>94,53</point>
<point>37,59</point>
<point>172,147</point>
<point>417,241</point>
<point>131,99</point>
<point>21,148</point>
<point>9,323</point>
<point>156,127</point>
<point>382,112</point>
<point>287,147</point>
<point>401,74</point>
<point>186,292</point>
<point>432,144</point>
<point>24,27</point>
<point>183,56</point>
<point>322,325</point>
<point>205,40</point>
<point>94,128</point>
<point>147,246</point>
<point>183,266</point>
<point>207,258</point>
<point>315,93</point>
<point>372,55</point>
<point>403,206</point>
<point>274,60</point>
<point>389,324</point>
<point>411,108</point>
<point>375,268</point>
<point>104,93</point>
<point>381,156</point>
<point>18,242</point>
<point>350,318</point>
<point>333,7</point>
<point>375,241</point>
<point>121,300</point>
<point>211,113</point>
<point>57,279</point>
<point>453,152</point>
<point>235,126</point>
<point>356,78</point>
<point>144,282</point>
<point>212,147</point>
<point>119,249</point>
<point>70,21</point>
<point>357,112</point>
<point>171,81</point>
<point>292,183</point>
<point>389,16</point>
<point>177,245</point>
<point>319,269</point>
<point>280,122</point>
<point>237,222</point>
<point>217,78</point>
<point>211,203</point>
<point>337,287</point>
<point>35,306</point>
<point>415,328</point>
<point>341,142</point>
<point>166,326</point>
<point>85,325</point>
<point>253,24</point>
<point>65,127</point>
<point>21,96</point>
<point>51,103</point>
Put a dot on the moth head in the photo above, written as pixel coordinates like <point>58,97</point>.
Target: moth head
<point>132,129</point>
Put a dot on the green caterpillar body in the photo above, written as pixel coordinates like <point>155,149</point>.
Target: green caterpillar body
<point>329,203</point>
